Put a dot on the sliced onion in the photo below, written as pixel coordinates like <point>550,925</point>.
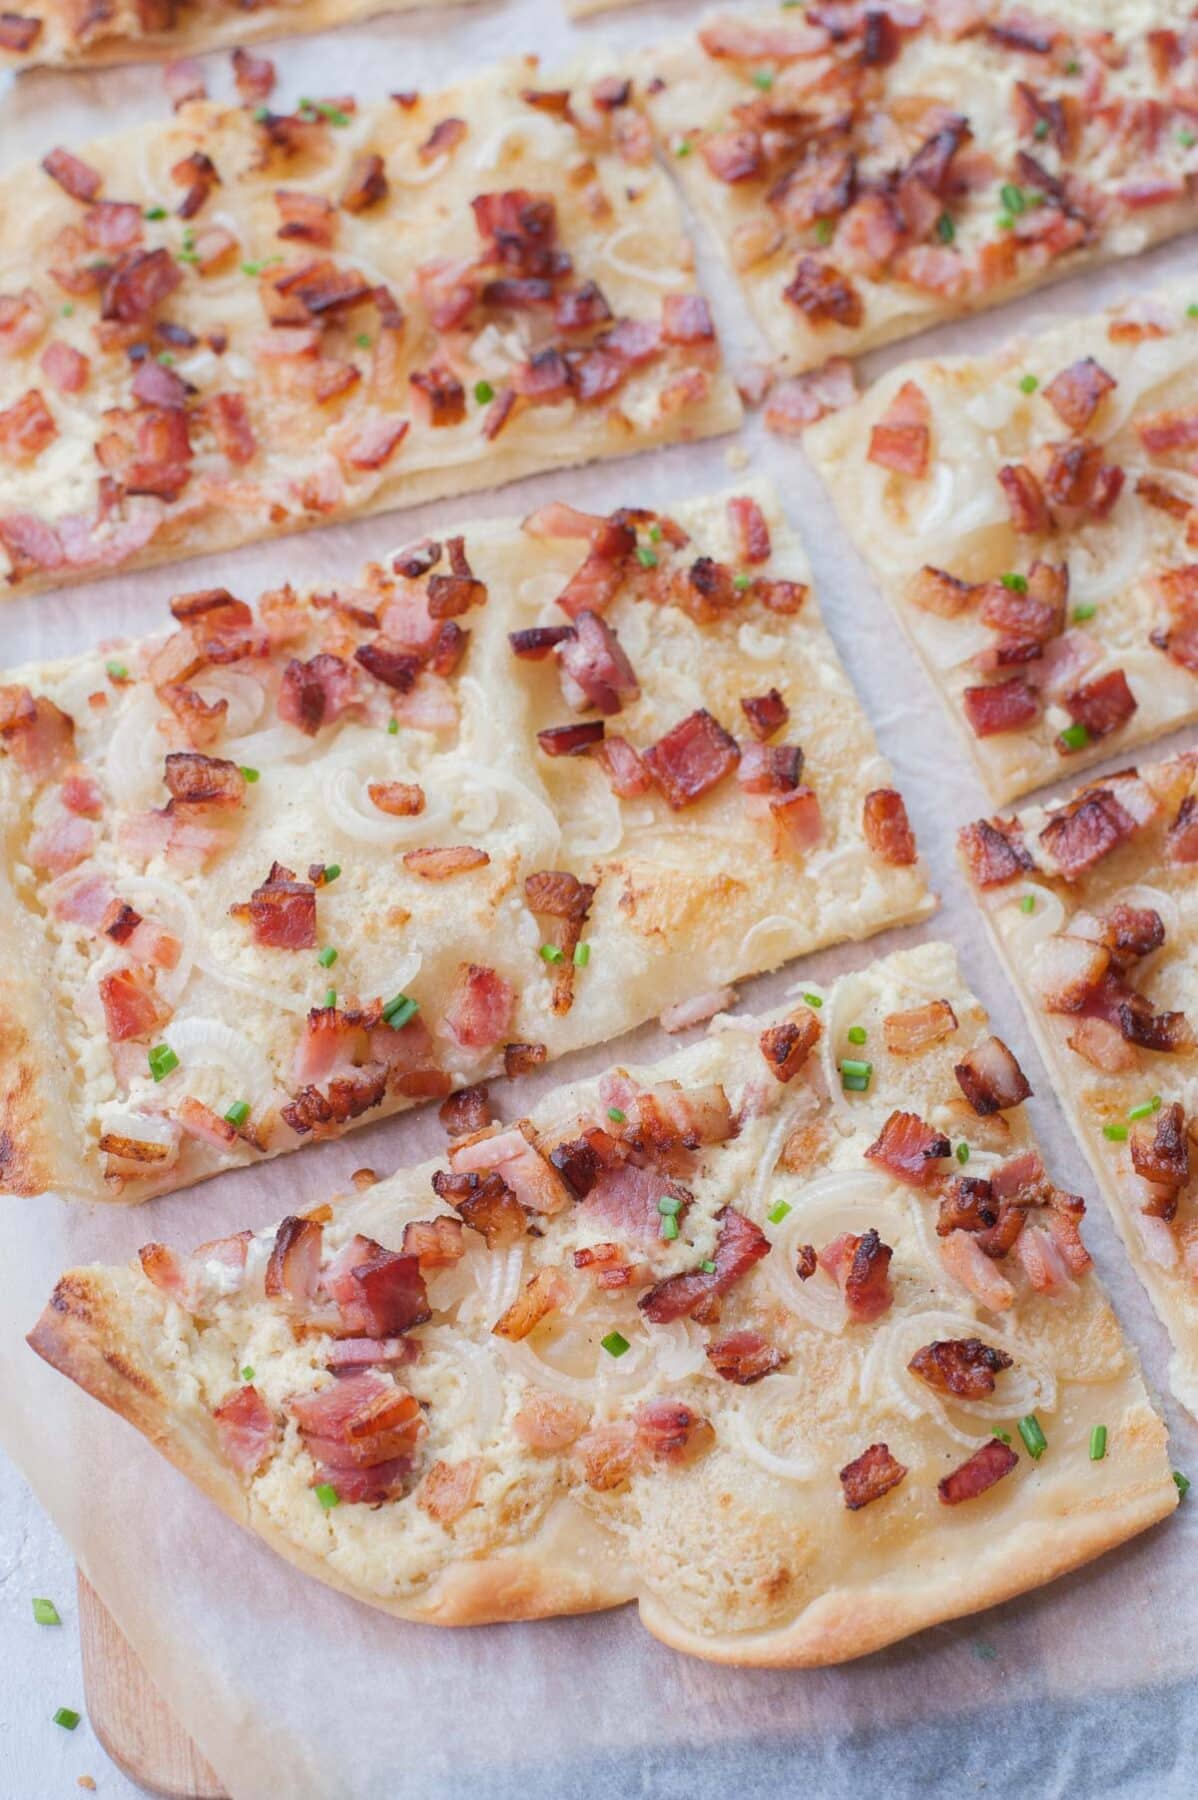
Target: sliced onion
<point>474,1402</point>
<point>245,694</point>
<point>820,1209</point>
<point>533,130</point>
<point>146,1128</point>
<point>1024,1388</point>
<point>136,755</point>
<point>168,898</point>
<point>272,745</point>
<point>771,942</point>
<point>595,823</point>
<point>262,991</point>
<point>350,810</point>
<point>744,1427</point>
<point>209,1043</point>
<point>626,1375</point>
<point>479,794</point>
<point>681,1350</point>
<point>1023,930</point>
<point>1155,899</point>
<point>1113,558</point>
<point>609,253</point>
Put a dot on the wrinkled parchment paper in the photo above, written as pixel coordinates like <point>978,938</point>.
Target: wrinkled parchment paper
<point>296,1693</point>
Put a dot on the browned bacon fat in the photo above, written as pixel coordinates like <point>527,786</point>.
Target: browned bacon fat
<point>740,1244</point>
<point>994,852</point>
<point>744,1357</point>
<point>887,829</point>
<point>859,1264</point>
<point>787,1045</point>
<point>964,1367</point>
<point>282,912</point>
<point>990,1078</point>
<point>909,1149</point>
<point>869,1476</point>
<point>983,1469</point>
<point>691,759</point>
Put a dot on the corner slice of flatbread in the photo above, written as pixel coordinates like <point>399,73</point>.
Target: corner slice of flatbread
<point>869,172</point>
<point>243,321</point>
<point>362,847</point>
<point>55,33</point>
<point>1031,517</point>
<point>647,1382</point>
<point>1093,906</point>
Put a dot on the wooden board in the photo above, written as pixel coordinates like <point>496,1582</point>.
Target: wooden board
<point>129,1716</point>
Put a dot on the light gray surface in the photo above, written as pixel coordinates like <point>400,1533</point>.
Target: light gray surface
<point>294,1691</point>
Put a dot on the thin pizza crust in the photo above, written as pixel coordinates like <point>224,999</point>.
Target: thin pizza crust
<point>802,198</point>
<point>741,1550</point>
<point>990,414</point>
<point>126,32</point>
<point>685,899</point>
<point>1025,916</point>
<point>313,401</point>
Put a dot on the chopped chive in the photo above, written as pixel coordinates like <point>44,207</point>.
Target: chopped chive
<point>1029,384</point>
<point>617,1115</point>
<point>823,231</point>
<point>857,1034</point>
<point>68,311</point>
<point>1191,310</point>
<point>331,872</point>
<point>669,1203</point>
<point>186,256</point>
<point>551,954</point>
<point>946,231</point>
<point>763,79</point>
<point>1028,903</point>
<point>247,1374</point>
<point>363,340</point>
<point>1033,1437</point>
<point>1012,197</point>
<point>646,557</point>
<point>162,1060</point>
<point>1074,737</point>
<point>1182,1481</point>
<point>1005,222</point>
<point>393,727</point>
<point>249,774</point>
<point>741,582</point>
<point>261,114</point>
<point>333,114</point>
<point>327,957</point>
<point>330,997</point>
<point>962,1153</point>
<point>855,1076</point>
<point>397,1012</point>
<point>1098,1443</point>
<point>815,1000</point>
<point>165,358</point>
<point>1116,1133</point>
<point>1004,1437</point>
<point>46,1613</point>
<point>67,1717</point>
<point>778,1212</point>
<point>238,1113</point>
<point>1017,584</point>
<point>116,671</point>
<point>708,1268</point>
<point>655,533</point>
<point>256,268</point>
<point>1187,140</point>
<point>1146,1108</point>
<point>1073,67</point>
<point>154,212</point>
<point>615,1343</point>
<point>1085,611</point>
<point>327,1494</point>
<point>669,1227</point>
<point>683,147</point>
<point>483,391</point>
<point>582,955</point>
<point>1040,129</point>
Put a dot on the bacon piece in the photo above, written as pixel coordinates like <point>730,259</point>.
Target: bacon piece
<point>444,137</point>
<point>23,320</point>
<point>803,399</point>
<point>194,780</point>
<point>909,1149</point>
<point>767,713</point>
<point>435,1243</point>
<point>449,1490</point>
<point>994,852</point>
<point>183,79</point>
<point>282,911</point>
<point>745,1357</point>
<point>1159,1146</point>
<point>293,1269</point>
<point>887,828</point>
<point>246,1430</point>
<point>1078,391</point>
<point>309,218</point>
<point>902,438</point>
<point>935,591</point>
<point>316,692</point>
<point>1101,706</point>
<point>132,1008</point>
<point>990,1078</point>
<point>466,1112</point>
<point>595,671</point>
<point>963,1367</point>
<point>1006,706</point>
<point>513,1155</point>
<point>668,1430</point>
<point>362,1426</point>
<point>550,1422</point>
<point>38,735</point>
<point>398,799</point>
<point>869,1476</point>
<point>964,1258</point>
<point>19,32</point>
<point>571,740</point>
<point>366,183</point>
<point>1080,835</point>
<point>581,309</point>
<point>909,1032</point>
<point>1174,429</point>
<point>824,294</point>
<point>1069,970</point>
<point>443,863</point>
<point>746,40</point>
<point>734,155</point>
<point>66,368</point>
<point>691,758</point>
<point>1026,504</point>
<point>540,1296</point>
<point>26,428</point>
<point>379,1293</point>
<point>620,762</point>
<point>749,529</point>
<point>1181,842</point>
<point>860,1267</point>
<point>254,76</point>
<point>787,1045</point>
<point>362,1353</point>
<point>981,1471</point>
<point>486,1203</point>
<point>74,177</point>
<point>438,396</point>
<point>740,1244</point>
<point>518,230</point>
<point>480,1006</point>
<point>138,283</point>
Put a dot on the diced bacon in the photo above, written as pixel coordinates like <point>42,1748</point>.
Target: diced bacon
<point>449,1490</point>
<point>550,1422</point>
<point>990,1078</point>
<point>480,1007</point>
<point>767,713</point>
<point>887,828</point>
<point>802,399</point>
<point>282,911</point>
<point>253,75</point>
<point>370,1353</point>
<point>745,40</point>
<point>597,580</point>
<point>826,296</point>
<point>509,1154</point>
<point>66,368</point>
<point>595,671</point>
<point>486,1204</point>
<point>581,309</point>
<point>691,759</point>
<point>1163,432</point>
<point>983,1469</point>
<point>623,766</point>
<point>293,1269</point>
<point>546,1292</point>
<point>467,1111</point>
<point>787,1044</point>
<point>744,1357</point>
<point>994,852</point>
<point>438,397</point>
<point>869,1476</point>
<point>734,155</point>
<point>798,819</point>
<point>572,740</point>
<point>740,1244</point>
<point>361,1422</point>
<point>195,780</point>
<point>379,1293</point>
<point>935,591</point>
<point>1004,706</point>
<point>902,438</point>
<point>686,319</point>
<point>443,862</point>
<point>38,735</point>
<point>1079,836</point>
<point>819,187</point>
<point>1026,504</point>
<point>965,1259</point>
<point>749,529</point>
<point>962,1367</point>
<point>1065,661</point>
<point>1078,391</point>
<point>374,443</point>
<point>624,1199</point>
<point>200,1122</point>
<point>74,177</point>
<point>139,283</point>
<point>860,1267</point>
<point>26,428</point>
<point>23,319</point>
<point>1159,1147</point>
<point>190,846</point>
<point>1068,970</point>
<point>246,1430</point>
<point>934,269</point>
<point>909,1032</point>
<point>317,692</point>
<point>1103,1046</point>
<point>668,1430</point>
<point>1043,1264</point>
<point>227,416</point>
<point>132,1009</point>
<point>1181,842</point>
<point>1102,706</point>
<point>909,1149</point>
<point>62,844</point>
<point>183,80</point>
<point>19,32</point>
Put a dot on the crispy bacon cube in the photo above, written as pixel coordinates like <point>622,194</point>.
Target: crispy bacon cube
<point>963,1367</point>
<point>983,1469</point>
<point>787,1045</point>
<point>990,1078</point>
<point>1077,392</point>
<point>887,829</point>
<point>691,758</point>
<point>902,438</point>
<point>282,912</point>
<point>744,1357</point>
<point>909,1149</point>
<point>869,1476</point>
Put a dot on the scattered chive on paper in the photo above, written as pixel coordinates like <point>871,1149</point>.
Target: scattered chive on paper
<point>1182,1482</point>
<point>327,1494</point>
<point>1033,1436</point>
<point>778,1211</point>
<point>1098,1443</point>
<point>67,1717</point>
<point>238,1113</point>
<point>162,1060</point>
<point>46,1613</point>
<point>615,1343</point>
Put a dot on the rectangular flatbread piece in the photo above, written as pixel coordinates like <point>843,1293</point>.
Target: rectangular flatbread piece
<point>687,1335</point>
<point>1032,517</point>
<point>1093,906</point>
<point>285,870</point>
<point>243,322</point>
<point>37,33</point>
<point>871,171</point>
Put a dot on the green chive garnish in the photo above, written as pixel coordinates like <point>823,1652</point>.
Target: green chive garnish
<point>251,775</point>
<point>669,1203</point>
<point>1187,140</point>
<point>778,1212</point>
<point>1191,310</point>
<point>67,1717</point>
<point>1029,384</point>
<point>256,268</point>
<point>855,1076</point>
<point>238,1113</point>
<point>741,582</point>
<point>1073,67</point>
<point>363,340</point>
<point>1098,1443</point>
<point>813,999</point>
<point>261,114</point>
<point>857,1034</point>
<point>1016,583</point>
<point>1116,1133</point>
<point>763,79</point>
<point>483,391</point>
<point>683,147</point>
<point>332,870</point>
<point>616,1114</point>
<point>393,727</point>
<point>154,212</point>
<point>1013,198</point>
<point>162,1060</point>
<point>1146,1108</point>
<point>1182,1481</point>
<point>397,1012</point>
<point>165,358</point>
<point>330,997</point>
<point>1033,1437</point>
<point>46,1613</point>
<point>1004,1437</point>
<point>327,957</point>
<point>1005,222</point>
<point>247,1374</point>
<point>116,671</point>
<point>646,557</point>
<point>582,955</point>
<point>615,1343</point>
<point>1085,611</point>
<point>669,1227</point>
<point>655,533</point>
<point>1040,129</point>
<point>1074,737</point>
<point>946,231</point>
<point>962,1153</point>
<point>1028,903</point>
<point>708,1268</point>
<point>327,1494</point>
<point>68,311</point>
<point>823,231</point>
<point>551,954</point>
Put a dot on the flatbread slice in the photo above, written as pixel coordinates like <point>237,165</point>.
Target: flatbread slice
<point>870,171</point>
<point>1030,516</point>
<point>40,33</point>
<point>1093,905</point>
<point>244,322</point>
<point>287,870</point>
<point>669,1354</point>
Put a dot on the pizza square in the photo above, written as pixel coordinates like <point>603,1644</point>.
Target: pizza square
<point>1030,516</point>
<point>870,171</point>
<point>290,868</point>
<point>801,1359</point>
<point>246,321</point>
<point>1093,905</point>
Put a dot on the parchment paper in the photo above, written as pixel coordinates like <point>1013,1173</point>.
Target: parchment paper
<point>1084,1688</point>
